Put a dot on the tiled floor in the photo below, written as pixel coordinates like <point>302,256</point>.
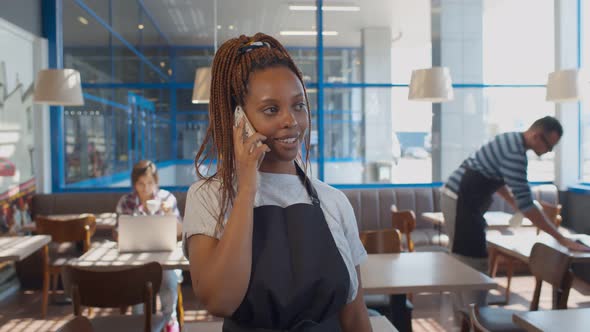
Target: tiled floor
<point>432,312</point>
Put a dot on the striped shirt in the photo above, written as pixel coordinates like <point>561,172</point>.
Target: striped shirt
<point>503,158</point>
<point>130,204</point>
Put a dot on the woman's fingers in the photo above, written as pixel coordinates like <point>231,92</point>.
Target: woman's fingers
<point>254,139</point>
<point>250,148</point>
<point>259,153</point>
<point>238,130</point>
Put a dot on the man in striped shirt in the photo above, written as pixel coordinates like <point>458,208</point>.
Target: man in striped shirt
<point>498,166</point>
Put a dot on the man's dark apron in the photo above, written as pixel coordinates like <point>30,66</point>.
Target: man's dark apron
<point>299,281</point>
<point>474,199</point>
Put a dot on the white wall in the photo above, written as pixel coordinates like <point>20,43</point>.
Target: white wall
<point>24,127</point>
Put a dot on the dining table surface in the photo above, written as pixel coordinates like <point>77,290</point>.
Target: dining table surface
<point>494,219</point>
<point>106,256</point>
<point>416,272</point>
<point>519,242</point>
<point>17,248</point>
<point>570,320</point>
<point>378,323</point>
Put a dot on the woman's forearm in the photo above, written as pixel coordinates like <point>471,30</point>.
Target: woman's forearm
<point>223,280</point>
<point>354,316</point>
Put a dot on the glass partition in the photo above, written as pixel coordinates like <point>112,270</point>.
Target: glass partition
<point>138,59</point>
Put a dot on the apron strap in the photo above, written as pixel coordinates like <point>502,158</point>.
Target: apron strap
<point>308,186</point>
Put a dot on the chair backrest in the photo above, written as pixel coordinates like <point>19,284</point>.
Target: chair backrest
<point>382,241</point>
<point>79,228</point>
<point>112,289</point>
<point>553,213</point>
<point>77,324</point>
<point>405,221</point>
<point>554,267</point>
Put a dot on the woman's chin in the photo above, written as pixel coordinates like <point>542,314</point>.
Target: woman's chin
<point>282,156</point>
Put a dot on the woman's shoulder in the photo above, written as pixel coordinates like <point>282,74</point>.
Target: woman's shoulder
<point>205,187</point>
<point>327,191</point>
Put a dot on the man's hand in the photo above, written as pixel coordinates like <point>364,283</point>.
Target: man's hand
<point>573,245</point>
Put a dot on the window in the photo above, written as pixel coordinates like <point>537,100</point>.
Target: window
<point>585,104</point>
<point>373,134</point>
<point>138,83</point>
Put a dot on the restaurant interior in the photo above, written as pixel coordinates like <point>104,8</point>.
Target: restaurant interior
<point>400,93</point>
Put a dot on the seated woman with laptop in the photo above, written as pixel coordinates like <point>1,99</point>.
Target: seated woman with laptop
<point>145,200</point>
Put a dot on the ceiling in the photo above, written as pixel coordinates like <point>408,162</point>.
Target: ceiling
<point>192,22</point>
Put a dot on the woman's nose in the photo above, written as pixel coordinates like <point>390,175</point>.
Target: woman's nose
<point>289,120</point>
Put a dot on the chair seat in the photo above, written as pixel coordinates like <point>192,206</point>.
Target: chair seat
<point>122,323</point>
<point>498,319</point>
<point>428,237</point>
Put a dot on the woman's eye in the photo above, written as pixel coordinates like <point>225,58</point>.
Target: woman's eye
<point>271,110</point>
<point>301,107</point>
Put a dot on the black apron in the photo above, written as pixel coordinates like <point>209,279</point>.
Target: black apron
<point>474,199</point>
<point>299,281</point>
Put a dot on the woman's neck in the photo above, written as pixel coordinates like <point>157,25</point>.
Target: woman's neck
<point>280,167</point>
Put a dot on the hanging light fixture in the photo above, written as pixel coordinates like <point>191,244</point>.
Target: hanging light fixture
<point>202,86</point>
<point>431,84</point>
<point>566,85</point>
<point>58,87</point>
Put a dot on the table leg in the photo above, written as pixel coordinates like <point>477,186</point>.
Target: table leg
<point>45,291</point>
<point>401,314</point>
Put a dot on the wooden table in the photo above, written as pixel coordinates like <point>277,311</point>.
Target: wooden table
<point>519,243</point>
<point>105,256</point>
<point>104,221</point>
<point>17,248</point>
<point>418,272</point>
<point>571,320</point>
<point>494,219</point>
<point>379,324</point>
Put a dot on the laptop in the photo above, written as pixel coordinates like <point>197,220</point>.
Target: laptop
<point>147,233</point>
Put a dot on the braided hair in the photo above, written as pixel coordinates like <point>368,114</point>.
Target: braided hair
<point>233,63</point>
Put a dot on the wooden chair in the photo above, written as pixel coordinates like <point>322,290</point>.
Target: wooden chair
<point>65,235</point>
<point>547,265</point>
<point>382,241</point>
<point>405,221</point>
<point>77,324</point>
<point>553,213</point>
<point>116,289</point>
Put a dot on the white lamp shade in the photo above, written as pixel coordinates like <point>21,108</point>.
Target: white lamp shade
<point>202,87</point>
<point>564,86</point>
<point>431,84</point>
<point>58,87</point>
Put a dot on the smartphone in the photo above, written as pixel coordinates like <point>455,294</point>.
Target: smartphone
<point>248,129</point>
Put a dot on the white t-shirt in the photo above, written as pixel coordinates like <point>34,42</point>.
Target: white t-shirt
<point>202,209</point>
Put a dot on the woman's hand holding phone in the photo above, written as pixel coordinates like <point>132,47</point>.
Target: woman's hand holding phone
<point>248,150</point>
